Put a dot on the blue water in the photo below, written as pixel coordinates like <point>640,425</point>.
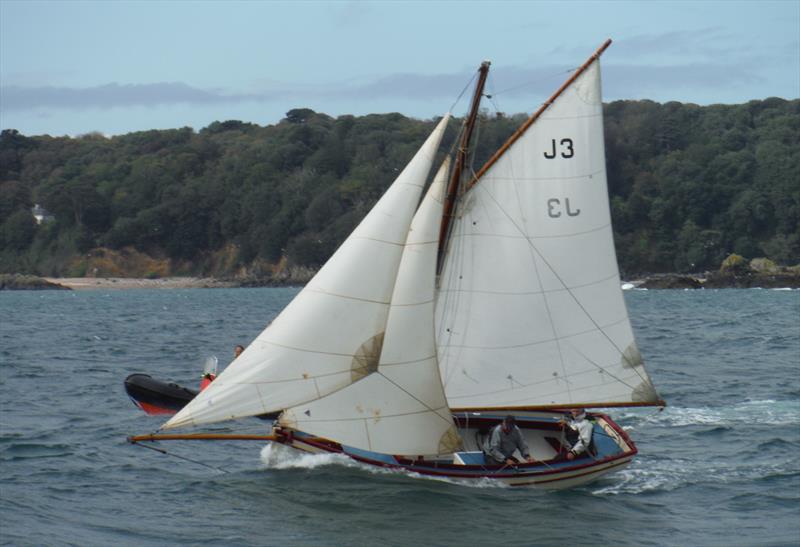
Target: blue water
<point>719,466</point>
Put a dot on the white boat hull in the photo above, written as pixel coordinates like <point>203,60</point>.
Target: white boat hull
<point>551,470</point>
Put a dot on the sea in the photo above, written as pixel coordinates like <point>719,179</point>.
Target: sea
<point>720,465</point>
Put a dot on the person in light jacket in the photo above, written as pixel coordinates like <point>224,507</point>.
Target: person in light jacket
<point>506,438</point>
<point>582,428</point>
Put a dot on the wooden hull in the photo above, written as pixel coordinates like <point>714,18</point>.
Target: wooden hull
<point>614,450</point>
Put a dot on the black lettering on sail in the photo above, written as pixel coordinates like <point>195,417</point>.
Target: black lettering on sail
<point>553,153</point>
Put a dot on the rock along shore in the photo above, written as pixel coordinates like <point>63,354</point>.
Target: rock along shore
<point>715,280</point>
<point>720,280</point>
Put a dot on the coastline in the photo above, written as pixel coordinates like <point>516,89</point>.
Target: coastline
<point>654,281</point>
<point>104,283</point>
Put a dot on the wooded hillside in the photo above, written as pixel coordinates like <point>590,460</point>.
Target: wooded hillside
<point>689,185</point>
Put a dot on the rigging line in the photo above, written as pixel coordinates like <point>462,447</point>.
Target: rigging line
<point>538,276</point>
<point>451,301</point>
<point>605,371</point>
<point>469,83</point>
<point>401,388</point>
<point>491,95</point>
<point>531,82</point>
<point>533,253</point>
<point>475,140</point>
<point>569,291</point>
<point>162,451</point>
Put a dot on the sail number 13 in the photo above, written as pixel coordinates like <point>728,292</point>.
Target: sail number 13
<point>565,149</point>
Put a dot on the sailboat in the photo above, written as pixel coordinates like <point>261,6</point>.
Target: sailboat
<point>497,293</point>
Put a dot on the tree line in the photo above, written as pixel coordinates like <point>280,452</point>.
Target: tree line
<point>689,185</point>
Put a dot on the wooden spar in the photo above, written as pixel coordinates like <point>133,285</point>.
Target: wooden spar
<point>524,127</point>
<point>460,164</point>
<point>660,403</point>
<point>199,437</point>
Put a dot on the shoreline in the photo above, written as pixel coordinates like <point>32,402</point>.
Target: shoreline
<point>654,281</point>
<point>102,283</point>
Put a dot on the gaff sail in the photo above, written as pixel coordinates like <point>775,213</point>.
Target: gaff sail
<point>530,312</point>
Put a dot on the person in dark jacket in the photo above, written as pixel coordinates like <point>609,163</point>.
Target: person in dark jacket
<point>506,438</point>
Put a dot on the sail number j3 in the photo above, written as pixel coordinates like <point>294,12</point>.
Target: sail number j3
<point>565,147</point>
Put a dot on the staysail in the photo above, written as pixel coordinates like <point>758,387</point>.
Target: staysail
<point>530,311</point>
<point>331,334</point>
<point>401,408</point>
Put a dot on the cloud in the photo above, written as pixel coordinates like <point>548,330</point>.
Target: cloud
<point>113,95</point>
<point>627,79</point>
<point>647,81</point>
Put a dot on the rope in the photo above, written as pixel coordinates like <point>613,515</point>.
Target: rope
<point>475,75</point>
<point>531,82</point>
<point>162,451</point>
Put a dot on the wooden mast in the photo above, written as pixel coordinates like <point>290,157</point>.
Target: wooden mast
<point>460,164</point>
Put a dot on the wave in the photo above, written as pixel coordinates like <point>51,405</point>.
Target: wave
<point>276,456</point>
<point>24,451</point>
<point>764,412</point>
<point>653,475</point>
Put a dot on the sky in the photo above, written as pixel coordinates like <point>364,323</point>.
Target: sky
<point>75,67</point>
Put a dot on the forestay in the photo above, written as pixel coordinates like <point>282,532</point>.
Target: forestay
<point>331,334</point>
<point>400,408</point>
<point>530,311</point>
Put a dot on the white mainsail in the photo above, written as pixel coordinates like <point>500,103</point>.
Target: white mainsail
<point>331,334</point>
<point>530,311</point>
<point>401,408</point>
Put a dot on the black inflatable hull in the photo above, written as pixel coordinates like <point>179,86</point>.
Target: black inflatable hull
<point>157,397</point>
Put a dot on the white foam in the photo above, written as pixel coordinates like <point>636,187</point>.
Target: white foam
<point>277,456</point>
<point>646,475</point>
<point>766,412</point>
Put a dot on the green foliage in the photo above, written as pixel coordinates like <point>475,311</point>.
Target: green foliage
<point>689,185</point>
<point>733,263</point>
<point>18,230</point>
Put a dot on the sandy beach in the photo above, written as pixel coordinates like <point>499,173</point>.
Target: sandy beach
<point>103,283</point>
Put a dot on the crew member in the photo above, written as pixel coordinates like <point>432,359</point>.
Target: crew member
<point>581,429</point>
<point>505,440</point>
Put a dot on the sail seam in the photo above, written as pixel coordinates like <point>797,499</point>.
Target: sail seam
<point>346,297</point>
<point>266,382</point>
<point>528,293</point>
<point>539,383</point>
<point>395,305</point>
<point>494,178</point>
<point>544,120</point>
<point>367,419</point>
<point>529,344</point>
<point>365,238</point>
<point>421,360</point>
<point>306,350</point>
<point>530,237</point>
